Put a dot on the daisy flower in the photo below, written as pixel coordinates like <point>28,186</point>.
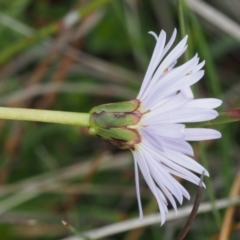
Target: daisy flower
<point>153,127</point>
<point>167,102</point>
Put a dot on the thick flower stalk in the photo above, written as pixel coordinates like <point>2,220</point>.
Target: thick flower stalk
<point>153,126</point>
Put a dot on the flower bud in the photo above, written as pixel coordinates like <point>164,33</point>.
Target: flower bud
<point>113,122</point>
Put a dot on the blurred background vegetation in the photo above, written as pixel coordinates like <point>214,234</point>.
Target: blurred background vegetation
<point>50,172</point>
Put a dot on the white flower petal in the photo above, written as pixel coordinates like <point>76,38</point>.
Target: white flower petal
<point>152,139</point>
<point>154,35</point>
<point>171,86</point>
<point>171,183</point>
<point>187,92</point>
<point>186,162</point>
<point>199,134</point>
<point>183,190</point>
<point>172,39</point>
<point>182,70</point>
<point>166,179</point>
<point>155,175</point>
<point>156,57</point>
<point>168,61</point>
<point>168,130</point>
<point>145,108</point>
<point>204,103</point>
<point>146,174</point>
<point>180,173</point>
<point>199,66</point>
<point>173,103</point>
<point>137,187</point>
<point>186,115</point>
<point>172,57</point>
<point>177,145</point>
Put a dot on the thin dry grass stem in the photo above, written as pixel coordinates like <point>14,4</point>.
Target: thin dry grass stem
<point>85,64</point>
<point>11,147</point>
<point>65,23</point>
<point>27,194</point>
<point>137,233</point>
<point>194,211</point>
<point>20,62</point>
<point>39,231</point>
<point>91,65</point>
<point>108,161</point>
<point>115,73</point>
<point>58,77</point>
<point>16,220</point>
<point>17,26</point>
<point>66,62</point>
<point>95,164</point>
<point>41,70</point>
<point>131,14</point>
<point>228,218</point>
<point>74,231</point>
<point>54,48</point>
<point>36,77</point>
<point>96,89</point>
<point>74,189</point>
<point>27,217</point>
<point>153,219</point>
<point>215,17</point>
<point>235,227</point>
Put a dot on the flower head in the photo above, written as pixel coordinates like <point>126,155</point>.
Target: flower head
<point>153,125</point>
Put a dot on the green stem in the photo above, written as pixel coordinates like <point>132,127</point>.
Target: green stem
<point>92,6</point>
<point>211,72</point>
<point>71,118</point>
<point>181,5</point>
<point>26,42</point>
<point>210,188</point>
<point>181,18</point>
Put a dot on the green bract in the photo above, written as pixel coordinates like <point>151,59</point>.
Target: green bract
<point>114,122</point>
